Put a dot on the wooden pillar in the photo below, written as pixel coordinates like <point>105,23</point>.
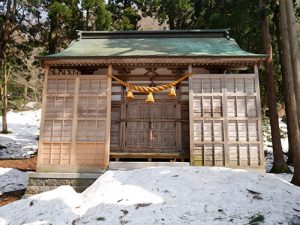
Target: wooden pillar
<point>260,135</point>
<point>225,124</point>
<point>44,101</point>
<point>108,117</point>
<point>74,122</point>
<point>123,119</point>
<point>191,117</point>
<point>178,121</point>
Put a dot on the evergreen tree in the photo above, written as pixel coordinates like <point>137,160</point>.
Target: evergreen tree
<point>178,14</point>
<point>292,59</point>
<point>125,14</point>
<point>96,15</point>
<point>17,40</point>
<point>63,18</point>
<point>279,164</point>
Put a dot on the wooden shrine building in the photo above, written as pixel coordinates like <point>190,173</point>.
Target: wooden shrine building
<point>151,96</point>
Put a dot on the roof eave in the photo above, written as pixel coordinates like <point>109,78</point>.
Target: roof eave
<point>260,56</point>
<point>179,60</point>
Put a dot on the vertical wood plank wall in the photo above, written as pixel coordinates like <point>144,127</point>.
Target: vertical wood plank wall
<point>225,120</point>
<point>75,123</point>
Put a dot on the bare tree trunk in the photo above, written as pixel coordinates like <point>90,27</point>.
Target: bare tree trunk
<point>279,164</point>
<point>52,40</point>
<point>171,22</point>
<point>5,34</point>
<point>290,85</point>
<point>5,28</point>
<point>25,93</point>
<point>87,19</point>
<point>290,160</point>
<point>285,69</point>
<point>4,110</point>
<point>4,100</point>
<point>295,54</point>
<point>288,15</point>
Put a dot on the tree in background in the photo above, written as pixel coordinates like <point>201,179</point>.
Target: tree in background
<point>291,60</point>
<point>59,21</point>
<point>294,51</point>
<point>279,164</point>
<point>125,14</point>
<point>96,16</point>
<point>242,17</point>
<point>18,28</point>
<point>178,14</point>
<point>62,18</point>
<point>286,71</point>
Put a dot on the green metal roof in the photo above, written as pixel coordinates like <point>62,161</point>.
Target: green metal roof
<point>195,43</point>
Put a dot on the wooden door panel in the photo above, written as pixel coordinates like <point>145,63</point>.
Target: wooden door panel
<point>137,136</point>
<point>151,127</point>
<point>164,135</point>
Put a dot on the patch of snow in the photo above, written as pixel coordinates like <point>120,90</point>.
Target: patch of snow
<point>30,106</point>
<point>284,140</point>
<point>284,176</point>
<point>12,180</point>
<point>164,195</point>
<point>59,206</point>
<point>268,148</point>
<point>22,141</point>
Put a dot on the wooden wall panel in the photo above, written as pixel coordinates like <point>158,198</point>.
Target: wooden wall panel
<point>226,124</point>
<point>90,154</point>
<point>74,121</point>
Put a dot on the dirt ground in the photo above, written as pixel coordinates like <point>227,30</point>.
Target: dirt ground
<point>20,164</point>
<point>12,196</point>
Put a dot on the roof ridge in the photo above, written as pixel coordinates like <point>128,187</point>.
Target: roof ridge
<point>201,33</point>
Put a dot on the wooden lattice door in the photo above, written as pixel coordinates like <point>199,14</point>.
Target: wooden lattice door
<point>152,128</point>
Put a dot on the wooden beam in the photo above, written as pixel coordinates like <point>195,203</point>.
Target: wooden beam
<point>148,155</point>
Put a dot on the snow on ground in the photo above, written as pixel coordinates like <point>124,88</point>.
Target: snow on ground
<point>284,139</point>
<point>164,195</point>
<point>268,144</point>
<point>189,195</point>
<point>22,142</point>
<point>12,180</point>
<point>59,206</point>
